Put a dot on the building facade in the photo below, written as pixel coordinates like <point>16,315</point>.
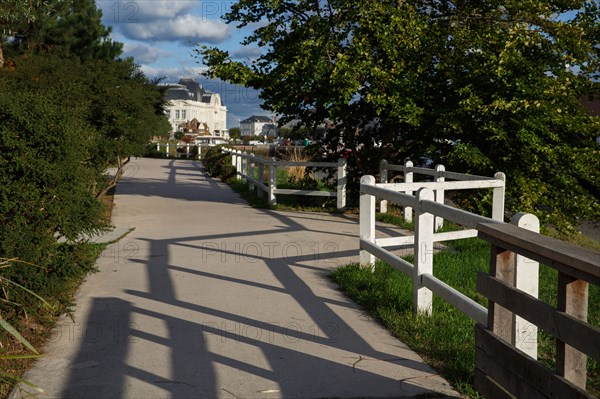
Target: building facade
<point>189,101</point>
<point>258,125</point>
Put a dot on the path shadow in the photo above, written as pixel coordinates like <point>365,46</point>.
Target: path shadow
<point>201,338</point>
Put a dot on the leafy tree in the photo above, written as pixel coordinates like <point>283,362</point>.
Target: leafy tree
<point>480,86</point>
<point>14,14</point>
<point>235,133</point>
<point>66,28</point>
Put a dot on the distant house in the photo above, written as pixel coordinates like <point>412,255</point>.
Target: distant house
<point>189,102</point>
<point>258,125</point>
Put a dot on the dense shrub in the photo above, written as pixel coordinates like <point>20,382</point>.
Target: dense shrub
<point>218,164</point>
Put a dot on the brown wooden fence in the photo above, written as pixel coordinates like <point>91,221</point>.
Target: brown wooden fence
<point>501,370</point>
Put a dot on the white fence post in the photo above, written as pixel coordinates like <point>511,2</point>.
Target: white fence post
<point>261,175</point>
<point>423,263</point>
<point>187,150</point>
<point>199,151</point>
<point>272,181</point>
<point>252,176</point>
<point>498,198</point>
<point>168,150</point>
<point>341,183</point>
<point>157,147</point>
<point>244,167</point>
<point>526,279</point>
<point>238,164</point>
<point>367,221</point>
<point>383,178</point>
<point>439,193</point>
<point>408,178</point>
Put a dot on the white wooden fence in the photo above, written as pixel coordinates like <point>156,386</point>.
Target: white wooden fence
<point>426,207</point>
<point>188,149</point>
<point>250,168</point>
<point>461,181</point>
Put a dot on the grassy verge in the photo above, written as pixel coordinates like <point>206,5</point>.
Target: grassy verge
<point>284,202</point>
<point>446,339</point>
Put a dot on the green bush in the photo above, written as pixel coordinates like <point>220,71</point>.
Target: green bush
<point>218,164</point>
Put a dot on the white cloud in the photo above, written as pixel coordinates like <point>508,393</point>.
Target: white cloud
<point>142,11</point>
<point>246,52</point>
<point>173,74</point>
<point>144,53</point>
<point>182,28</point>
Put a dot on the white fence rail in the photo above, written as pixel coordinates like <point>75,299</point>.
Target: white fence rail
<point>250,168</point>
<point>456,181</point>
<point>187,150</point>
<point>427,207</point>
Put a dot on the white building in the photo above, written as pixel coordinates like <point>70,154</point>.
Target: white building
<point>258,125</point>
<point>188,101</point>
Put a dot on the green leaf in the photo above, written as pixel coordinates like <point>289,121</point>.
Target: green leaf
<point>11,330</point>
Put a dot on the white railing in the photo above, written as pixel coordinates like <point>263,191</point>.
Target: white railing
<point>188,147</point>
<point>250,169</point>
<point>460,181</point>
<point>426,207</point>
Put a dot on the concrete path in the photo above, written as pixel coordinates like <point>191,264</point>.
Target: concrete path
<point>210,298</point>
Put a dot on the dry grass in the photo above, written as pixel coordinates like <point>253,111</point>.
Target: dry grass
<point>296,173</point>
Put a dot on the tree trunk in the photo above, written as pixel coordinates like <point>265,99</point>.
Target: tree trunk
<point>1,55</point>
<point>118,174</point>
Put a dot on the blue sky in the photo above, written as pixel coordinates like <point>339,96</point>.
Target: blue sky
<point>161,34</point>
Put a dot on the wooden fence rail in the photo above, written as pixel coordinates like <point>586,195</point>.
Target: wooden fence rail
<point>502,371</point>
<point>251,169</point>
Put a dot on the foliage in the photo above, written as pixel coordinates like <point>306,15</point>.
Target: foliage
<point>235,133</point>
<point>66,28</point>
<point>218,164</point>
<point>480,86</point>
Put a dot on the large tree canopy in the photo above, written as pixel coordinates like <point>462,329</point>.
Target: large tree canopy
<point>478,85</point>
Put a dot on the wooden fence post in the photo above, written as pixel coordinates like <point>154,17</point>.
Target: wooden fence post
<point>439,194</point>
<point>502,266</point>
<point>383,178</point>
<point>367,222</point>
<point>408,178</point>
<point>341,183</point>
<point>527,280</point>
<point>498,198</point>
<point>423,263</point>
<point>272,181</point>
<point>573,300</point>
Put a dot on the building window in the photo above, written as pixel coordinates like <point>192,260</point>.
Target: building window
<point>183,114</point>
<point>176,114</point>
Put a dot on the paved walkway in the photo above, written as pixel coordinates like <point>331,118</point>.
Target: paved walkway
<point>210,298</point>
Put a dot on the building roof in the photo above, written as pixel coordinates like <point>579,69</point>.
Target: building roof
<point>257,118</point>
<point>188,89</point>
